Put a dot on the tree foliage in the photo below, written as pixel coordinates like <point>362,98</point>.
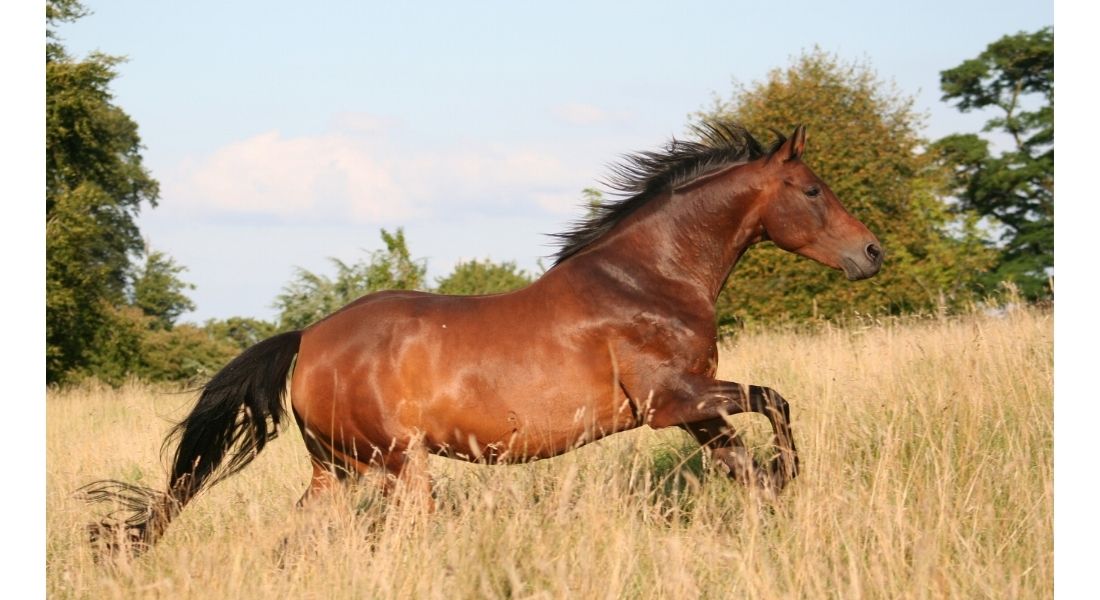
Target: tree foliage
<point>475,277</point>
<point>1015,189</point>
<point>242,332</point>
<point>135,345</point>
<point>593,200</point>
<point>864,143</point>
<point>95,185</point>
<point>312,296</point>
<point>159,292</point>
<point>108,315</point>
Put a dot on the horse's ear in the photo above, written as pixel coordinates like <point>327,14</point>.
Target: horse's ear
<point>797,143</point>
<point>792,147</point>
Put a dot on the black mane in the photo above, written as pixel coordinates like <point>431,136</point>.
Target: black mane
<point>644,175</point>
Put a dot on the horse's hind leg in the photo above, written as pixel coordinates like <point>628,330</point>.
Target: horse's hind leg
<point>324,478</point>
<point>332,467</point>
<point>410,481</point>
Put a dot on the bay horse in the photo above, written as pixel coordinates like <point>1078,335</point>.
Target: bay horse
<point>620,332</point>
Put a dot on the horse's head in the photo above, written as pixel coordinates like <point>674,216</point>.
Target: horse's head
<point>801,214</point>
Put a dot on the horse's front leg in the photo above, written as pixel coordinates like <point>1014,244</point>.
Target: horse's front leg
<point>700,405</point>
<point>726,446</point>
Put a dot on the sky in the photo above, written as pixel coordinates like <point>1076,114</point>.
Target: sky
<point>283,133</point>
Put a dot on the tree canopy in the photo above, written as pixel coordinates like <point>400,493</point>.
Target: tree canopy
<point>1015,189</point>
<point>311,296</point>
<point>159,292</point>
<point>96,183</point>
<point>864,142</point>
<point>482,277</point>
<point>109,314</point>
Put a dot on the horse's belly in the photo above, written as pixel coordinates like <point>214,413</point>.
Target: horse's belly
<point>523,426</point>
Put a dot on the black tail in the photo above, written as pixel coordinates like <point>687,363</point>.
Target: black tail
<point>238,412</point>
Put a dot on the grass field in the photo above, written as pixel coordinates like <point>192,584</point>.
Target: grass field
<point>927,456</point>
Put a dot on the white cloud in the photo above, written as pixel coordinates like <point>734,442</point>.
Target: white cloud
<point>270,174</point>
<point>356,174</point>
<point>500,176</point>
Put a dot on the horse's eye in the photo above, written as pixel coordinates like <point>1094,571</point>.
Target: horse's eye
<point>813,190</point>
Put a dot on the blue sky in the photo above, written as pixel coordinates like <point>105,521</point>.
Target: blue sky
<point>284,133</point>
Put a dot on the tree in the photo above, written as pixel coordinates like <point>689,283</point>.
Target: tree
<point>311,297</point>
<point>864,143</point>
<point>95,185</point>
<point>1015,189</point>
<point>593,200</point>
<point>118,347</point>
<point>137,345</point>
<point>184,353</point>
<point>482,277</point>
<point>158,290</point>
<point>242,332</point>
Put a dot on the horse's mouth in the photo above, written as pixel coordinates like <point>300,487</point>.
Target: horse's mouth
<point>854,271</point>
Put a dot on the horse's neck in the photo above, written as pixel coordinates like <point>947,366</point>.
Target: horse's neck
<point>689,240</point>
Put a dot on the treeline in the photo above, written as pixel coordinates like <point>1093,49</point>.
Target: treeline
<point>312,296</point>
<point>957,220</point>
<point>142,338</point>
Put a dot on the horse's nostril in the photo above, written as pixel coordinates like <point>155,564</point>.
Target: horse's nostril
<point>874,252</point>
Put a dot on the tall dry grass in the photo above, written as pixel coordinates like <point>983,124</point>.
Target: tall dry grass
<point>927,472</point>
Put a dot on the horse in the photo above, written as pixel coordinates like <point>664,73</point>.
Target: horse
<point>620,332</point>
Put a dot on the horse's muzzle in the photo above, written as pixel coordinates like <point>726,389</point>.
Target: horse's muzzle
<point>865,264</point>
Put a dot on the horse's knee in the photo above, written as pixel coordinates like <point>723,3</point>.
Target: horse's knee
<point>774,401</point>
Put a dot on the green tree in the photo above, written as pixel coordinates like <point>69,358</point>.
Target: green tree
<point>95,185</point>
<point>118,346</point>
<point>137,345</point>
<point>311,296</point>
<point>864,142</point>
<point>1016,188</point>
<point>476,277</point>
<point>159,292</point>
<point>593,200</point>
<point>184,353</point>
<point>242,332</point>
